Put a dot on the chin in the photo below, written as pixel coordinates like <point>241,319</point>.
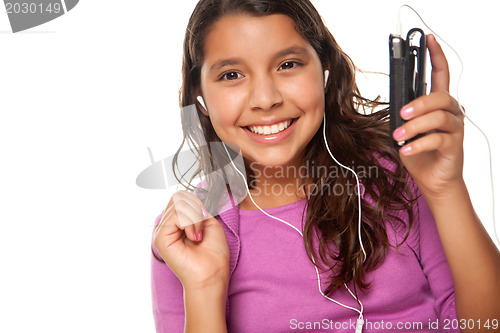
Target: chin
<point>270,162</point>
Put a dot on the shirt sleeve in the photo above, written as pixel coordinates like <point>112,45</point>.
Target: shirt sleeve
<point>167,295</point>
<point>435,266</point>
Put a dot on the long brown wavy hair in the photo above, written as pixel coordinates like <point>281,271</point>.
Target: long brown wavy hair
<point>356,137</point>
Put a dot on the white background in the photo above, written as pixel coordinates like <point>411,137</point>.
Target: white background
<point>83,96</point>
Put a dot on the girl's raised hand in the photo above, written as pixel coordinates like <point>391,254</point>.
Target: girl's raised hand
<point>435,160</point>
<point>192,243</point>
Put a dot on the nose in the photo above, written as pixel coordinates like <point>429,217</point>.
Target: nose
<point>264,94</point>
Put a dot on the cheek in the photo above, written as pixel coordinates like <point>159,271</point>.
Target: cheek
<point>219,123</point>
<point>307,93</point>
<point>223,112</point>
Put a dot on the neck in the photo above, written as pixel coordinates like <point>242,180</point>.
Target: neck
<point>274,186</point>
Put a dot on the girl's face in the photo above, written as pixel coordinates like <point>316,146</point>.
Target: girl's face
<point>263,87</point>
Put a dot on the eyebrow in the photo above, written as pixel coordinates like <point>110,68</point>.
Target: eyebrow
<point>294,50</point>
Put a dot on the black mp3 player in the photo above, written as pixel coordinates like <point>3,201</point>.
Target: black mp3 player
<point>407,75</point>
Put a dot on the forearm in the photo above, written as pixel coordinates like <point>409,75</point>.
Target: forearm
<point>205,310</point>
<point>472,256</point>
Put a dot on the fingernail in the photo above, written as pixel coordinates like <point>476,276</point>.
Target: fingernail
<point>406,111</point>
<point>399,133</point>
<point>406,150</point>
<point>204,211</point>
<point>195,236</point>
<point>199,236</point>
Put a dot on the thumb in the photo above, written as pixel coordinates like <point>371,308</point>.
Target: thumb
<point>214,234</point>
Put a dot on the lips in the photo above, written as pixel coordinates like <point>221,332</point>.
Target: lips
<point>270,129</point>
<point>287,126</point>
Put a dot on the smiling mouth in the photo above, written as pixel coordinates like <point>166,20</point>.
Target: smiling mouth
<point>272,129</point>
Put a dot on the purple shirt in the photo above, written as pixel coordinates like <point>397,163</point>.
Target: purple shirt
<point>273,285</point>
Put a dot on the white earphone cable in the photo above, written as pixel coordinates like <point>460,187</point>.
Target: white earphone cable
<point>360,320</point>
<point>357,181</point>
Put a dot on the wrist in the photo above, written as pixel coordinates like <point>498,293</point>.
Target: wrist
<point>454,200</point>
<point>220,280</point>
<point>205,309</point>
<point>207,289</point>
<point>447,194</point>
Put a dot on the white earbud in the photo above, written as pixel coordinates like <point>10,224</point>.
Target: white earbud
<point>202,102</point>
<point>327,74</point>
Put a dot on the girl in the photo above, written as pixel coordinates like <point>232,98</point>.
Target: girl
<point>268,77</point>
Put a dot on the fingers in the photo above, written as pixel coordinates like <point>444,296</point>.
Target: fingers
<point>185,212</point>
<point>440,75</point>
<point>437,112</point>
<point>196,213</point>
<point>425,104</point>
<point>441,142</point>
<point>441,121</point>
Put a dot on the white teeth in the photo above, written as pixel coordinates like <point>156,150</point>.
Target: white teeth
<point>273,129</point>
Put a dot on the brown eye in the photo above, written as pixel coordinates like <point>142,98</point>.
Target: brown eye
<point>289,65</point>
<point>230,76</point>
